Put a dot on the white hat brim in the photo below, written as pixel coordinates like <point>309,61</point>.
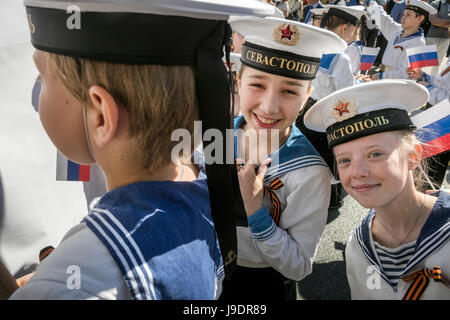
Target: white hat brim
<point>401,94</point>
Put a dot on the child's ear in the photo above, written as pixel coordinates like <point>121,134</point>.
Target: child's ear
<point>103,115</point>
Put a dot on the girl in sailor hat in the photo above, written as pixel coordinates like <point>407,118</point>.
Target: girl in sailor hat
<point>284,182</point>
<point>401,248</point>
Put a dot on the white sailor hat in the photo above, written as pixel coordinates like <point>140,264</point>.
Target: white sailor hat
<point>420,6</point>
<point>340,3</point>
<point>351,14</point>
<point>277,14</point>
<point>132,31</point>
<point>365,109</point>
<point>318,11</point>
<point>284,47</point>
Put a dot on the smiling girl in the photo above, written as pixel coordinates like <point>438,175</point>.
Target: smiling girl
<point>401,249</point>
<point>286,198</point>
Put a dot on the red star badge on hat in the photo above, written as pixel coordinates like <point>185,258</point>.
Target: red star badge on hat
<point>286,33</point>
<point>342,108</point>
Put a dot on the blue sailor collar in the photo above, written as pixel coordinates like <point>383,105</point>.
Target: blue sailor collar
<point>296,153</point>
<point>128,220</point>
<point>357,43</point>
<point>327,63</point>
<point>435,232</point>
<point>398,39</point>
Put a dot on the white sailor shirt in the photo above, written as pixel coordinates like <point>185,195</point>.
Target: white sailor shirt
<point>439,86</point>
<point>335,72</point>
<point>426,273</point>
<point>395,58</point>
<point>354,52</point>
<point>152,240</point>
<point>285,232</point>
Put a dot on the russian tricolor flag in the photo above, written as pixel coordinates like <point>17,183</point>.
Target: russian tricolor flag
<point>420,57</point>
<point>67,170</point>
<point>368,57</point>
<point>434,129</point>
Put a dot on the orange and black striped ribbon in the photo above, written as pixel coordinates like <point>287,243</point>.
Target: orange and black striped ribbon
<point>445,71</point>
<point>274,185</point>
<point>45,252</point>
<point>419,282</point>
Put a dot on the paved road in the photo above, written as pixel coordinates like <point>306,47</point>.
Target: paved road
<point>328,279</point>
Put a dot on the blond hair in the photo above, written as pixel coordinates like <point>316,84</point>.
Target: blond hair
<point>408,141</point>
<point>159,99</point>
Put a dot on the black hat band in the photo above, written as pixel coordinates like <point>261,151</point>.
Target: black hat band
<point>418,10</point>
<point>344,15</point>
<point>369,123</point>
<point>121,37</point>
<point>279,62</point>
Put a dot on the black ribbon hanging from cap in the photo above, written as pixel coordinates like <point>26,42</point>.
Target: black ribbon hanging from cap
<point>137,38</point>
<point>213,89</point>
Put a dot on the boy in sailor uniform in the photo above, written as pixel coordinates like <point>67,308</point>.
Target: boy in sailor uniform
<point>354,49</point>
<point>316,16</point>
<point>335,72</point>
<point>115,96</point>
<point>401,248</point>
<point>408,34</point>
<point>286,198</point>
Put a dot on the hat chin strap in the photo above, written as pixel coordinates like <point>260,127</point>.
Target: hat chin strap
<point>87,134</point>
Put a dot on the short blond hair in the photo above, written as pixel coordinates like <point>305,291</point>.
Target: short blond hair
<point>159,99</point>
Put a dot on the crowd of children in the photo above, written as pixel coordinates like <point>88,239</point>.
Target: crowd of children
<point>308,130</point>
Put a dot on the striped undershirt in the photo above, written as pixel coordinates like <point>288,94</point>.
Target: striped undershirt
<point>393,261</point>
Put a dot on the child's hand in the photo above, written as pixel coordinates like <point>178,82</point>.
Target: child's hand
<point>23,280</point>
<point>252,184</point>
<point>424,83</point>
<point>414,73</point>
<point>363,77</point>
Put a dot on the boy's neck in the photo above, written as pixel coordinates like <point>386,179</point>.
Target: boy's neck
<point>408,32</point>
<point>171,172</point>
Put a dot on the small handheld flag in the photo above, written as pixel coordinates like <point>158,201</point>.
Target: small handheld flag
<point>368,57</point>
<point>420,57</point>
<point>434,129</point>
<point>67,170</point>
